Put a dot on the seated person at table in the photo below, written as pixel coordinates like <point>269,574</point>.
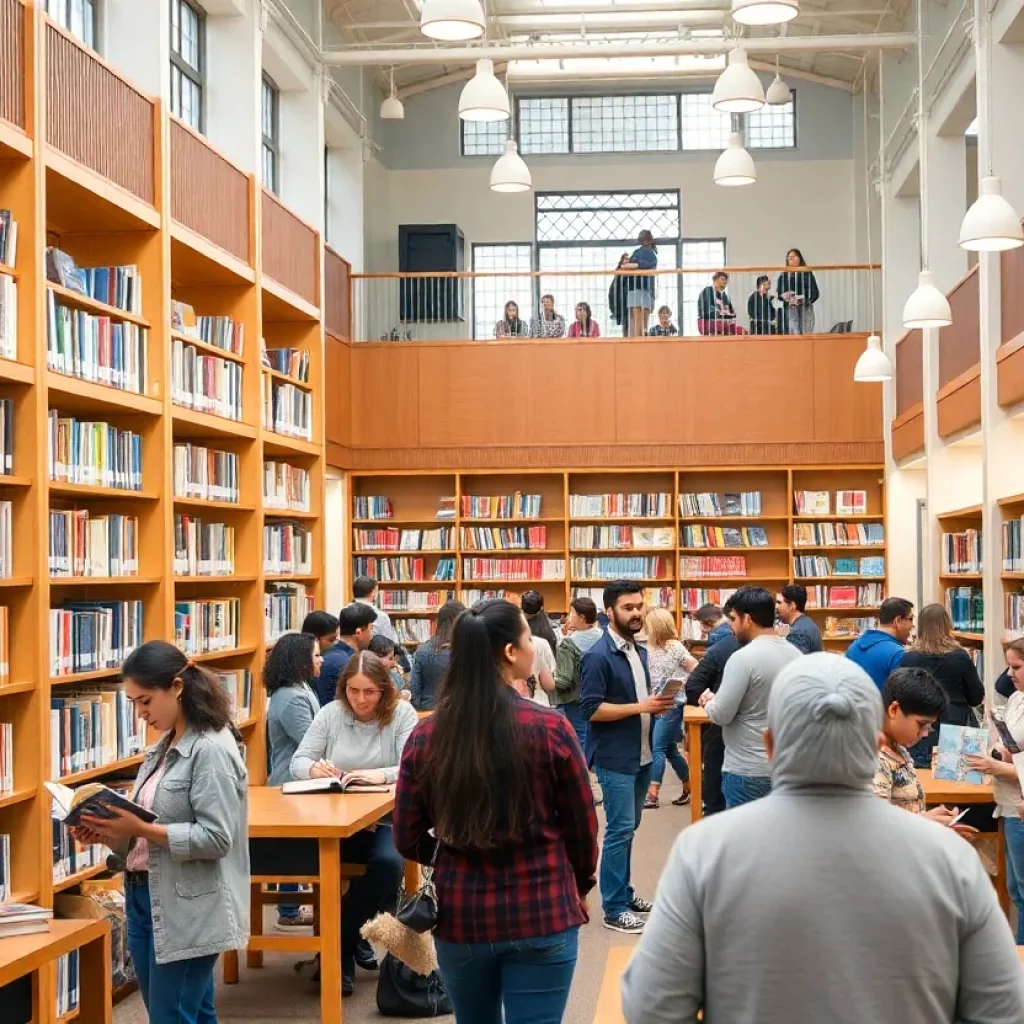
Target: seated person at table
<point>715,312</point>
<point>664,328</point>
<point>764,317</point>
<point>387,651</point>
<point>363,730</point>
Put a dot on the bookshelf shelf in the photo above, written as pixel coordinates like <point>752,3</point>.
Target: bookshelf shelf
<point>210,504</point>
<point>1011,575</point>
<point>84,677</point>
<point>19,796</point>
<point>280,513</point>
<point>13,372</point>
<point>203,346</point>
<point>618,519</point>
<point>745,548</point>
<point>970,512</point>
<point>437,584</point>
<point>14,142</point>
<point>975,638</point>
<point>76,301</point>
<point>15,481</point>
<point>749,579</point>
<point>837,579</point>
<point>77,878</point>
<point>604,581</point>
<point>839,517</point>
<point>733,519</point>
<point>471,584</point>
<point>286,378</point>
<point>86,396</point>
<point>94,491</point>
<point>959,575</point>
<point>282,444</point>
<point>291,577</point>
<point>17,581</point>
<point>104,769</point>
<point>246,723</point>
<point>103,581</point>
<point>190,423</point>
<point>23,896</point>
<point>11,689</point>
<point>1011,499</point>
<point>415,612</point>
<point>233,652</point>
<point>842,608</point>
<point>232,578</point>
<point>392,553</point>
<point>469,520</point>
<point>612,552</point>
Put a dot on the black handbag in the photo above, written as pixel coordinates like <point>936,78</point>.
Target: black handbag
<point>401,992</point>
<point>418,912</point>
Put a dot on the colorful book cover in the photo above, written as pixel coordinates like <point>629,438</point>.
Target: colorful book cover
<point>956,743</point>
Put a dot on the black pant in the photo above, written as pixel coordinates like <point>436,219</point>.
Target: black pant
<point>714,755</point>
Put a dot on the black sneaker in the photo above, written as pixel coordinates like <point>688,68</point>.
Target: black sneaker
<point>348,985</point>
<point>626,922</point>
<point>366,957</point>
<point>638,905</point>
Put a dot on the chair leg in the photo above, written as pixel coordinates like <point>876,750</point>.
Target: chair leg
<point>230,964</point>
<point>254,957</point>
<point>316,909</point>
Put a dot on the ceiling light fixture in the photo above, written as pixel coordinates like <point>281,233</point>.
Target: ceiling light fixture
<point>873,365</point>
<point>452,20</point>
<point>483,97</point>
<point>735,166</point>
<point>738,90</point>
<point>391,109</point>
<point>778,92</point>
<point>764,12</point>
<point>510,173</point>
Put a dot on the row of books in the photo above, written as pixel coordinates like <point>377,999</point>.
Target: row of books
<point>285,487</point>
<point>721,566</point>
<point>83,544</point>
<point>96,348</point>
<point>207,625</point>
<point>513,568</point>
<point>867,595</point>
<point>1013,545</point>
<point>961,552</point>
<point>727,537</point>
<point>120,287</point>
<point>292,361</point>
<point>6,757</point>
<point>828,535</point>
<point>414,631</point>
<point>503,506</point>
<point>6,540</point>
<point>440,539</point>
<point>636,568</point>
<point>843,628</point>
<point>412,600</point>
<point>8,317</point>
<point>1015,613</point>
<point>69,855</point>
<point>605,506</point>
<point>287,549</point>
<point>284,608</point>
<point>205,383</point>
<point>495,538</point>
<point>819,503</point>
<point>237,684</point>
<point>202,548</point>
<point>8,239</point>
<point>819,565</point>
<point>6,435</point>
<point>732,503</point>
<point>220,331</point>
<point>966,607</point>
<point>5,645</point>
<point>6,883</point>
<point>654,597</point>
<point>287,409</point>
<point>205,473</point>
<point>91,728</point>
<point>93,453</point>
<point>372,506</point>
<point>472,597</point>
<point>692,598</point>
<point>401,570</point>
<point>67,983</point>
<point>86,636</point>
<point>618,538</point>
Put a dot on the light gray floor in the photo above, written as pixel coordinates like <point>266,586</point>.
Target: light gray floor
<point>276,993</point>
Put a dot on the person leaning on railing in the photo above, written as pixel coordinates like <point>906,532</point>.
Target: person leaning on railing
<point>641,287</point>
<point>798,291</point>
<point>764,317</point>
<point>510,326</point>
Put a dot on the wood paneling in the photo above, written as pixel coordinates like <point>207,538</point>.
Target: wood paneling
<point>1011,289</point>
<point>209,194</point>
<point>908,433</point>
<point>958,404</point>
<point>960,343</point>
<point>337,404</point>
<point>95,117</point>
<point>12,62</point>
<point>1010,372</point>
<point>909,371</point>
<point>842,407</point>
<point>337,295</point>
<point>290,250</point>
<point>384,396</point>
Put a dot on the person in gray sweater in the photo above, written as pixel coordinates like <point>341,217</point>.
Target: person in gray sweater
<point>821,902</point>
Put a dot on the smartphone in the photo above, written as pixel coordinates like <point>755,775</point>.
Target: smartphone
<point>671,687</point>
<point>1005,736</point>
<point>958,817</point>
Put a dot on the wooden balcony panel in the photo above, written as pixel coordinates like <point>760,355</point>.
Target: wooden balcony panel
<point>909,372</point>
<point>1012,294</point>
<point>96,118</point>
<point>209,195</point>
<point>908,433</point>
<point>12,62</point>
<point>1010,372</point>
<point>958,403</point>
<point>289,250</point>
<point>337,296</point>
<point>960,343</point>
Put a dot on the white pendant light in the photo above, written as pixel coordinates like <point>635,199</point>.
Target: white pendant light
<point>391,109</point>
<point>510,173</point>
<point>483,97</point>
<point>735,166</point>
<point>927,306</point>
<point>452,20</point>
<point>764,12</point>
<point>738,90</point>
<point>778,92</point>
<point>873,365</point>
<point>991,224</point>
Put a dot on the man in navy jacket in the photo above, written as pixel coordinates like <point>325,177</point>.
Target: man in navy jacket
<point>615,695</point>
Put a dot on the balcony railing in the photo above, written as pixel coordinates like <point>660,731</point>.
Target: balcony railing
<point>471,306</point>
<point>337,295</point>
<point>290,249</point>
<point>12,62</point>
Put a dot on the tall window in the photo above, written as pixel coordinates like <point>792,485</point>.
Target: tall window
<point>188,61</point>
<point>77,16</point>
<point>625,124</point>
<point>491,293</point>
<point>697,252</point>
<point>270,98</point>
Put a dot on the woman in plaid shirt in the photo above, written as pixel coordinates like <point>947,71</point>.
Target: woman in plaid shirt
<point>503,785</point>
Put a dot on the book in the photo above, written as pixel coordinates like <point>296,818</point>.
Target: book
<point>207,625</point>
<point>376,506</point>
<point>94,799</point>
<point>966,607</point>
<point>722,566</point>
<point>61,269</point>
<point>286,409</point>
<point>205,383</point>
<point>390,600</point>
<point>512,568</point>
<point>494,538</point>
<point>414,631</point>
<point>93,453</point>
<point>403,570</point>
<point>6,757</point>
<point>812,503</point>
<point>506,506</point>
<point>956,742</point>
<point>446,508</point>
<point>284,608</point>
<point>350,782</point>
<point>287,549</point>
<point>6,883</point>
<point>205,473</point>
<point>293,362</point>
<point>8,239</point>
<point>8,317</point>
<point>23,919</point>
<point>86,636</point>
<point>203,548</point>
<point>635,568</point>
<point>961,552</point>
<point>632,506</point>
<point>83,544</point>
<point>287,487</point>
<point>91,727</point>
<point>851,503</point>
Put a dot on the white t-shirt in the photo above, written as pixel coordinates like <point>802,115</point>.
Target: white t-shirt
<point>543,658</point>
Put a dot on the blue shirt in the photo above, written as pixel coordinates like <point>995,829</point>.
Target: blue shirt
<point>335,660</point>
<point>878,653</point>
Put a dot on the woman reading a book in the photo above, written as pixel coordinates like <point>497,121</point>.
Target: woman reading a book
<point>187,873</point>
<point>361,733</point>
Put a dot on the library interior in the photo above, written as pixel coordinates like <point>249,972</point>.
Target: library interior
<point>534,511</point>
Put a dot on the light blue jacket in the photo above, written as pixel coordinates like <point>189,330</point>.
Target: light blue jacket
<point>289,714</point>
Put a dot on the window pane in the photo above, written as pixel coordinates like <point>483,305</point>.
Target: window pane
<point>491,293</point>
<point>269,168</point>
<point>772,127</point>
<point>268,98</point>
<point>544,126</point>
<point>484,138</point>
<point>703,126</point>
<point>606,217</point>
<point>705,252</point>
<point>624,124</point>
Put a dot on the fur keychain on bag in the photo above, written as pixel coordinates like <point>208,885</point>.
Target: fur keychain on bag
<point>413,949</point>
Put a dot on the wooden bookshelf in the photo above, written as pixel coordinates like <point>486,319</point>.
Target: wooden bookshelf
<point>415,498</point>
<point>1010,509</point>
<point>959,521</point>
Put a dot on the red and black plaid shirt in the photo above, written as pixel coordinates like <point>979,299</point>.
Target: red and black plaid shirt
<point>521,888</point>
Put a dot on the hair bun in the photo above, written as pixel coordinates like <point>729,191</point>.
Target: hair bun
<point>835,705</point>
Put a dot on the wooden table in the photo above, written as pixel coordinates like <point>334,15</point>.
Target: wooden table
<point>694,720</point>
<point>330,818</point>
<point>37,955</point>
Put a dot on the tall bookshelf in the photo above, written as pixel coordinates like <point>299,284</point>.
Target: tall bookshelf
<point>415,498</point>
<point>1011,575</point>
<point>59,202</point>
<point>962,579</point>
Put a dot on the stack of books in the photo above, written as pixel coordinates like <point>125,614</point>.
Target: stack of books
<point>633,506</point>
<point>707,504</point>
<point>440,539</point>
<point>402,570</point>
<point>23,918</point>
<point>94,727</point>
<point>812,503</point>
<point>635,568</point>
<point>723,537</point>
<point>966,608</point>
<point>829,535</point>
<point>202,548</point>
<point>620,538</point>
<point>8,239</point>
<point>205,383</point>
<point>961,552</point>
<point>412,600</point>
<point>847,628</point>
<point>720,566</point>
<point>237,684</point>
<point>654,597</point>
<point>94,454</point>
<point>446,508</point>
<point>287,549</point>
<point>284,608</point>
<point>205,473</point>
<point>506,506</point>
<point>693,598</point>
<point>87,636</point>
<point>508,538</point>
<point>83,544</point>
<point>513,568</point>
<point>285,486</point>
<point>1015,614</point>
<point>208,625</point>
<point>1013,545</point>
<point>868,595</point>
<point>287,409</point>
<point>374,506</point>
<point>294,362</point>
<point>219,331</point>
<point>414,631</point>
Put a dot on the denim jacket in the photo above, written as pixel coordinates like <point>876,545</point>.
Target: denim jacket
<point>199,885</point>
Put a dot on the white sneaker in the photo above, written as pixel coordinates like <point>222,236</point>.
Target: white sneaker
<point>627,923</point>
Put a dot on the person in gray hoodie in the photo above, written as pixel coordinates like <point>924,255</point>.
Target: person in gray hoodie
<point>821,902</point>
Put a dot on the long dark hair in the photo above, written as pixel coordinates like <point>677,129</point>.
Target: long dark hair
<point>478,779</point>
<point>799,256</point>
<point>646,238</point>
<point>446,617</point>
<point>586,309</point>
<point>512,321</point>
<point>290,662</point>
<point>157,664</point>
<point>532,603</point>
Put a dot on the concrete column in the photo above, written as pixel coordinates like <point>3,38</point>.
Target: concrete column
<point>233,84</point>
<point>135,38</point>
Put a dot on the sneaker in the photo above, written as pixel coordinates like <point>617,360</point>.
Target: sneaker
<point>682,800</point>
<point>303,919</point>
<point>366,958</point>
<point>651,803</point>
<point>627,923</point>
<point>638,905</point>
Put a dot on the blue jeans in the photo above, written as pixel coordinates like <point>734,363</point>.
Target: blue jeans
<point>577,721</point>
<point>288,910</point>
<point>668,731</point>
<point>530,978</point>
<point>624,797</point>
<point>1013,830</point>
<point>741,789</point>
<point>373,892</point>
<point>176,993</point>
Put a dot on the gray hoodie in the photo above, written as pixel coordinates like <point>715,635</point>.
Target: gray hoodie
<point>820,902</point>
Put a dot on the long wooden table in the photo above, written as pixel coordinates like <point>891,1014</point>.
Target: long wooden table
<point>694,720</point>
<point>37,954</point>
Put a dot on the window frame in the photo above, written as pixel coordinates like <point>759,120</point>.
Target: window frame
<point>534,282</point>
<point>194,75</point>
<point>272,143</point>
<point>65,21</point>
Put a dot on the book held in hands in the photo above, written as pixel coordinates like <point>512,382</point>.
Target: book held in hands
<point>93,799</point>
<point>350,782</point>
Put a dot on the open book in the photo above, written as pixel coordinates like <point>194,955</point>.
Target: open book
<point>350,782</point>
<point>95,799</point>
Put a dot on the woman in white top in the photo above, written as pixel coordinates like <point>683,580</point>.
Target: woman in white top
<point>667,658</point>
<point>543,675</point>
<point>1007,784</point>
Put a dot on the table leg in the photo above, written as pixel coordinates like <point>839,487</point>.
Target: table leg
<point>1002,889</point>
<point>694,736</point>
<point>330,931</point>
<point>413,877</point>
<point>254,957</point>
<point>229,962</point>
<point>94,993</point>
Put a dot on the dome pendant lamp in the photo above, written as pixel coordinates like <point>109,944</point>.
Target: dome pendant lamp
<point>510,173</point>
<point>452,20</point>
<point>735,166</point>
<point>778,92</point>
<point>873,365</point>
<point>483,97</point>
<point>764,12</point>
<point>738,90</point>
<point>392,109</point>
